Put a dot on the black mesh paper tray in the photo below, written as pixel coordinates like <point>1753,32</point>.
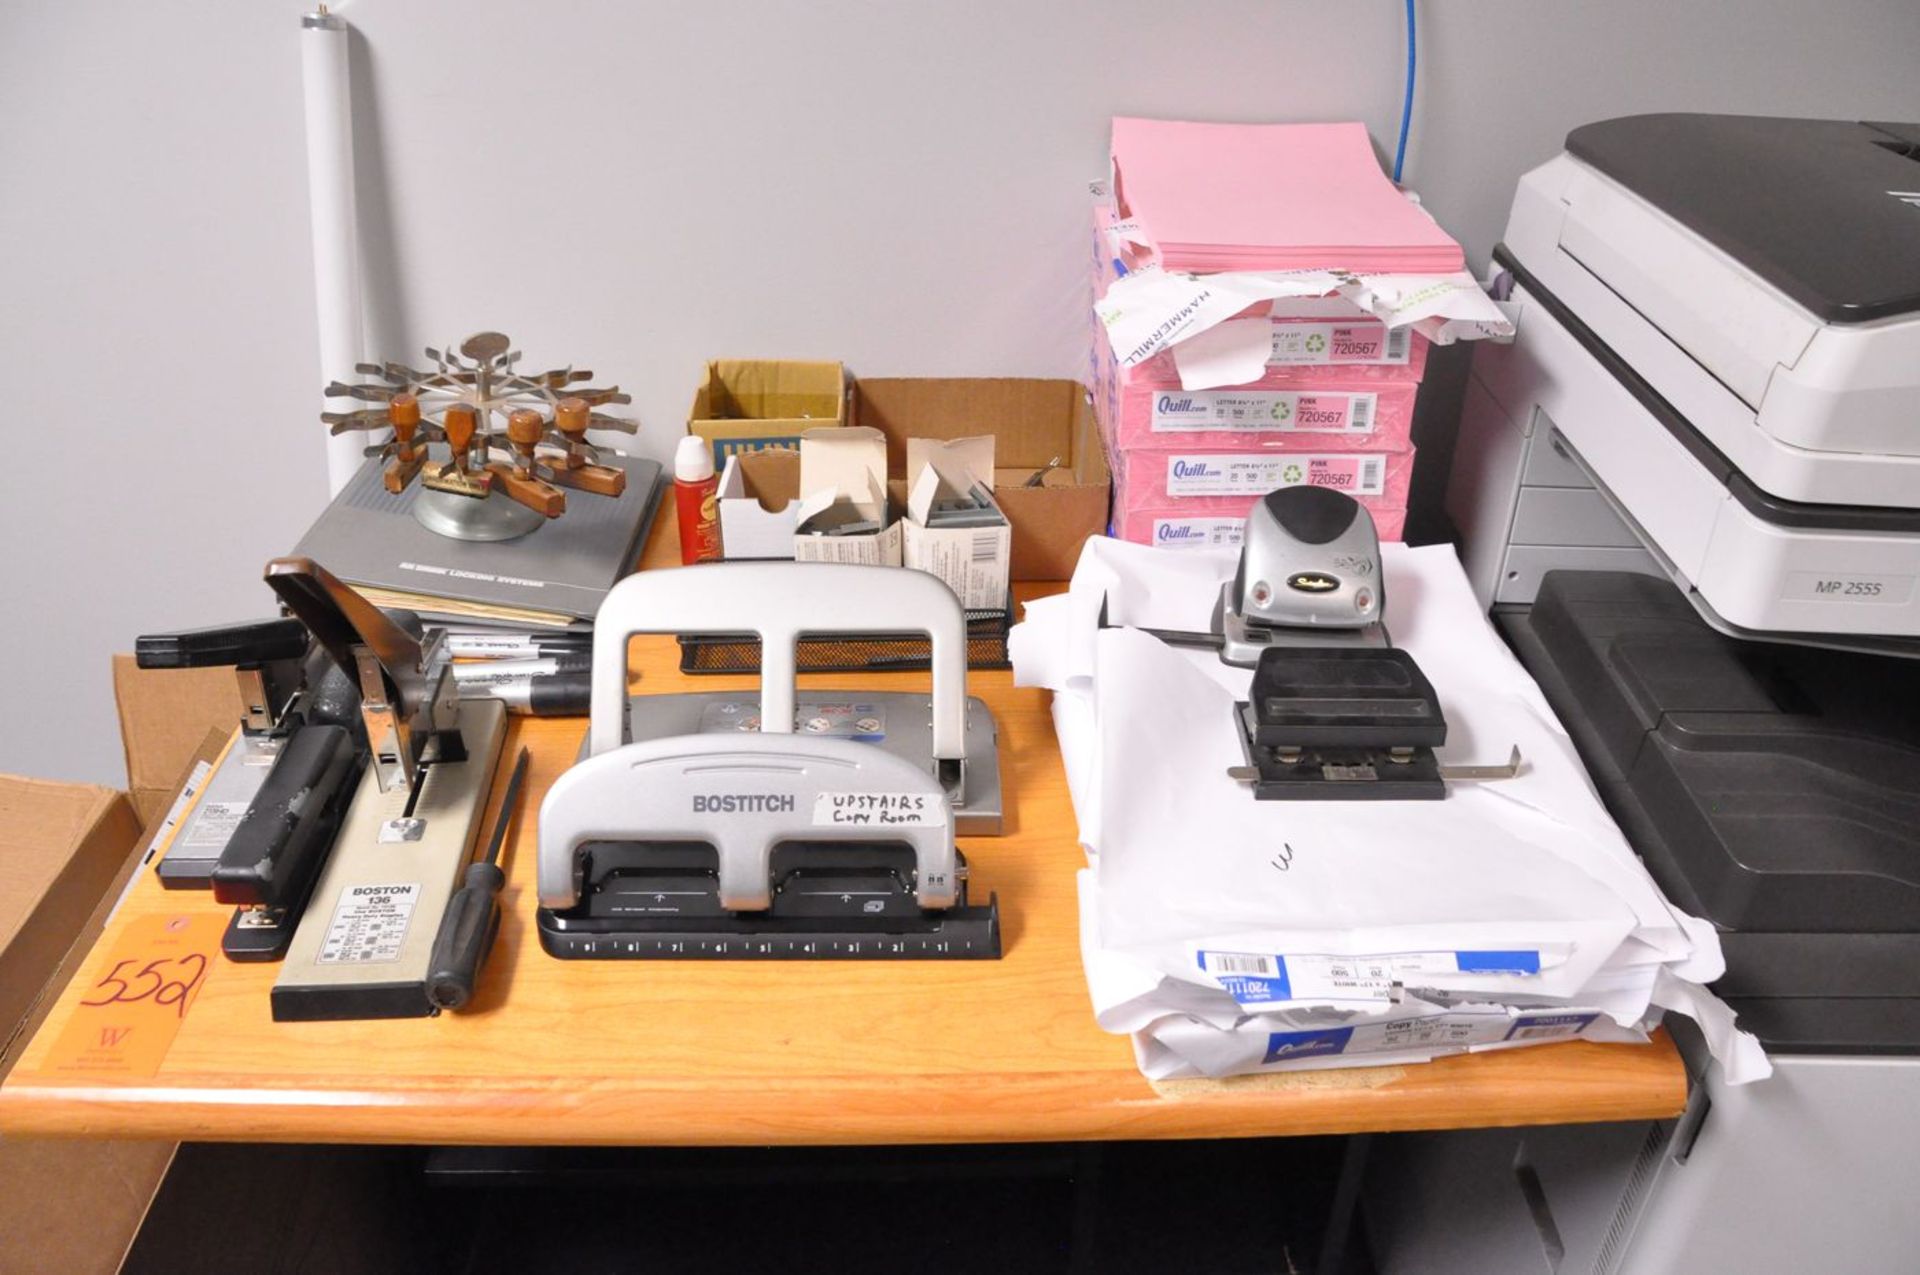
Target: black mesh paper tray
<point>850,652</point>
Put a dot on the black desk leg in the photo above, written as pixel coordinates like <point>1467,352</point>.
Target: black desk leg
<point>1346,1198</point>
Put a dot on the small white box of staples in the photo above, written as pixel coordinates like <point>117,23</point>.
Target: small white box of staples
<point>955,528</point>
<point>843,514</point>
<point>759,497</point>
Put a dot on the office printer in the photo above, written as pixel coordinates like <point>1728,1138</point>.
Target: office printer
<point>1689,491</point>
<point>1724,321</point>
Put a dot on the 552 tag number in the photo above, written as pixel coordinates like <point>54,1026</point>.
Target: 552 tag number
<point>154,981</point>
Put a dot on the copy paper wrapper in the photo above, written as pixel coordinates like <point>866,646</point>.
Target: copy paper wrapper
<point>1284,343</point>
<point>1131,991</point>
<point>1519,893</point>
<point>1150,310</point>
<point>1349,418</point>
<point>1378,480</point>
<point>1177,1046</point>
<point>1220,522</point>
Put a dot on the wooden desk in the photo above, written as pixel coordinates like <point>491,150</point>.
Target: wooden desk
<point>719,1053</point>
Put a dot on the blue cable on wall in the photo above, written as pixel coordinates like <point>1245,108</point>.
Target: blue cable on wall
<point>1406,108</point>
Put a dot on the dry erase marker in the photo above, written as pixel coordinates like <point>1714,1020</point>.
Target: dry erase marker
<point>540,695</point>
<point>488,672</point>
<point>490,646</point>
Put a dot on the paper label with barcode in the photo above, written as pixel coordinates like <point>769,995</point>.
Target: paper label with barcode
<point>1254,474</point>
<point>1537,1026</point>
<point>1264,411</point>
<point>1259,978</point>
<point>1314,344</point>
<point>369,924</point>
<point>1198,533</point>
<point>973,561</point>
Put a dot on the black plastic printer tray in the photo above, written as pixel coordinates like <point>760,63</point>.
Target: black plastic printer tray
<point>1773,789</point>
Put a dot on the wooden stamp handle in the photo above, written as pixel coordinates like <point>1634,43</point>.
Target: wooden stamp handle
<point>460,424</point>
<point>524,429</point>
<point>403,413</point>
<point>570,417</point>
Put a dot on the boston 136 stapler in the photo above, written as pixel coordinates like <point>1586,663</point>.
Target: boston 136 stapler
<point>1334,711</point>
<point>716,825</point>
<point>364,945</point>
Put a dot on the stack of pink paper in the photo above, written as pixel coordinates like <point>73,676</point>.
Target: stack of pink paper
<point>1333,407</point>
<point>1337,379</point>
<point>1214,197</point>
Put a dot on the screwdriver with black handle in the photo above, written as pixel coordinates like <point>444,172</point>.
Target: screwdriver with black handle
<point>472,918</point>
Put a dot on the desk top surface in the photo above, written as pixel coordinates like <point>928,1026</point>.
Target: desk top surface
<point>716,1053</point>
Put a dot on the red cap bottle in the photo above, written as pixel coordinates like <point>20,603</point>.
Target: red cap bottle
<point>696,500</point>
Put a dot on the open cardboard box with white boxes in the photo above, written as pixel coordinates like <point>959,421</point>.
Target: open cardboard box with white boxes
<point>1034,422</point>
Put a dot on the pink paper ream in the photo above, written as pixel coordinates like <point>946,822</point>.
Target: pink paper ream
<point>1217,197</point>
<point>1144,480</point>
<point>1180,526</point>
<point>1369,416</point>
<point>1316,340</point>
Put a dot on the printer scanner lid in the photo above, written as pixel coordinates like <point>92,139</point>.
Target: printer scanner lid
<point>1827,211</point>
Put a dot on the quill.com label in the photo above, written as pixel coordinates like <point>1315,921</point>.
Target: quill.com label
<point>1264,411</point>
<point>1240,475</point>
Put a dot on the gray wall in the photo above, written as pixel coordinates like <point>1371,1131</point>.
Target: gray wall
<point>637,187</point>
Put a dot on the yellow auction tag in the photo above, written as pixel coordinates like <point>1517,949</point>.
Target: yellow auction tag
<point>128,1016</point>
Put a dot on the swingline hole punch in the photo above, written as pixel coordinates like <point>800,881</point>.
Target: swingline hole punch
<point>780,828</point>
<point>1335,712</point>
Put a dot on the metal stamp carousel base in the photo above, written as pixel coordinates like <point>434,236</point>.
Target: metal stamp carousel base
<point>497,517</point>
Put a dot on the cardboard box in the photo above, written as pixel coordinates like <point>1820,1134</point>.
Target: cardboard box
<point>759,497</point>
<point>749,404</point>
<point>66,850</point>
<point>971,559</point>
<point>843,479</point>
<point>1031,421</point>
<point>164,716</point>
<point>61,846</point>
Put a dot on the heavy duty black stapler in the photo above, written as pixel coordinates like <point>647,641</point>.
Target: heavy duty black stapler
<point>765,827</point>
<point>268,812</point>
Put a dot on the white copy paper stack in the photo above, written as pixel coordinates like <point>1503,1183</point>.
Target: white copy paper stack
<point>1230,936</point>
